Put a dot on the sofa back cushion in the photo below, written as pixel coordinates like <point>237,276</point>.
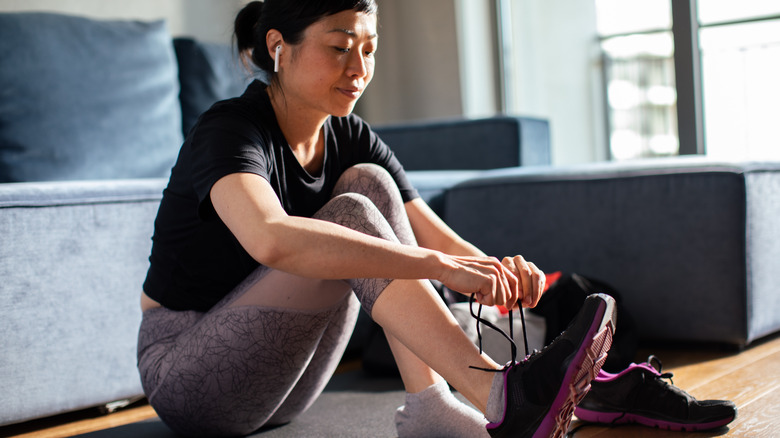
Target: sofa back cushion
<point>477,144</point>
<point>208,73</point>
<point>86,99</point>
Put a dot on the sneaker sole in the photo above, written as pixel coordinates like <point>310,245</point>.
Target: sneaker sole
<point>587,363</point>
<point>610,418</point>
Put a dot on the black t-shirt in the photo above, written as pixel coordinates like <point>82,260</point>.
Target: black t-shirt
<point>195,260</point>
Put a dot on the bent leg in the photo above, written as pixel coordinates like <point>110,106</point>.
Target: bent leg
<point>431,333</point>
<point>376,184</point>
<point>322,365</point>
<point>225,376</point>
<point>413,352</point>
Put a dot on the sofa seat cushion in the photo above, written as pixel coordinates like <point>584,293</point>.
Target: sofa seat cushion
<point>74,255</point>
<point>86,99</point>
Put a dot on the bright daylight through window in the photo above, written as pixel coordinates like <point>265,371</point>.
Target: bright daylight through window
<point>739,46</point>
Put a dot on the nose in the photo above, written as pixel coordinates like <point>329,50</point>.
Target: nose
<point>357,66</point>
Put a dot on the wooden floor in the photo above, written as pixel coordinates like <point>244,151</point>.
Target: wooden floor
<point>750,378</point>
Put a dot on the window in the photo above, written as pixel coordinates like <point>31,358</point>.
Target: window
<point>730,98</point>
<point>741,90</point>
<point>639,77</point>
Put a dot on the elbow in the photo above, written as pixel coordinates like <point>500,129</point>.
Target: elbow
<point>267,251</point>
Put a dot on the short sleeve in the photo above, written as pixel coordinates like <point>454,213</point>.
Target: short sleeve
<point>224,143</point>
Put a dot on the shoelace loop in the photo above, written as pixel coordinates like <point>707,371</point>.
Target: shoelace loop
<point>510,337</point>
<point>652,360</point>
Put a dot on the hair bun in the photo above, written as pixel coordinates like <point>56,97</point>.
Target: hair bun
<point>245,24</point>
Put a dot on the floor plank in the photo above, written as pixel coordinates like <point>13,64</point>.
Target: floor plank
<point>77,423</point>
<point>759,418</point>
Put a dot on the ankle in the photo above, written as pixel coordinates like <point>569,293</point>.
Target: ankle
<point>496,404</point>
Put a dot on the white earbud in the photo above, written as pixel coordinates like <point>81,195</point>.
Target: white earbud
<point>276,59</point>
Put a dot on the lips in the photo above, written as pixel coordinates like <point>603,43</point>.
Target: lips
<point>351,92</point>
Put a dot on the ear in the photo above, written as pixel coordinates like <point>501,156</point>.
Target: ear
<point>273,39</point>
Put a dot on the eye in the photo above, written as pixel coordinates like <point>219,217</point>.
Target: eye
<point>341,49</point>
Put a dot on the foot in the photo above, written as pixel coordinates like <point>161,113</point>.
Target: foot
<point>436,412</point>
<point>541,391</point>
<point>639,394</point>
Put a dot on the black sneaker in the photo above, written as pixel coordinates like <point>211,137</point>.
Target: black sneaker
<point>542,391</point>
<point>639,394</point>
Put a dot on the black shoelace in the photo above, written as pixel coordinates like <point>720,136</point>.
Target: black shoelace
<point>510,337</point>
<point>666,375</point>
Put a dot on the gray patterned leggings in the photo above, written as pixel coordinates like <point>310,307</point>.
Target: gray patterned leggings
<point>249,362</point>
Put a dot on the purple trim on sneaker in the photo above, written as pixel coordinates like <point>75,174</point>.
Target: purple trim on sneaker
<point>621,418</point>
<point>549,423</point>
<point>605,376</point>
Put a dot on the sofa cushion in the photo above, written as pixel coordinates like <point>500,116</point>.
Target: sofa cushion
<point>72,260</point>
<point>691,244</point>
<point>86,99</point>
<point>208,73</point>
<point>460,144</point>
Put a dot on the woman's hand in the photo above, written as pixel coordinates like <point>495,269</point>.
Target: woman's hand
<point>493,283</point>
<point>530,277</point>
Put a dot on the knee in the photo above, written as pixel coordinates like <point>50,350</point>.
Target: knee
<point>349,205</point>
<point>369,179</point>
<point>358,212</point>
<point>369,170</point>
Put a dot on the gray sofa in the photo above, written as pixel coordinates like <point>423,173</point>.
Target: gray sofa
<point>91,118</point>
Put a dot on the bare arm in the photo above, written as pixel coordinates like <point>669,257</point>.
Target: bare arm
<point>247,204</point>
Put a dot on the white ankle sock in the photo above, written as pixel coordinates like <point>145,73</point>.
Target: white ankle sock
<point>435,412</point>
<point>496,400</point>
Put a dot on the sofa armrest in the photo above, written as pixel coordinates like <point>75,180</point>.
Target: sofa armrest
<point>72,261</point>
<point>488,143</point>
<point>692,245</point>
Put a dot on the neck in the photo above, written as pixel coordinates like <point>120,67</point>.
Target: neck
<point>302,128</point>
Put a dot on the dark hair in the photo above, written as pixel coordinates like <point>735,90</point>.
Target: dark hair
<point>290,17</point>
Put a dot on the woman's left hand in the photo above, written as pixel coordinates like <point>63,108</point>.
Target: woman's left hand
<point>530,279</point>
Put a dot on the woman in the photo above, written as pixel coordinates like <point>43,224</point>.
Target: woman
<point>279,196</point>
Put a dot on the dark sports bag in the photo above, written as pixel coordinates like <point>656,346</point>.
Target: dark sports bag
<point>561,303</point>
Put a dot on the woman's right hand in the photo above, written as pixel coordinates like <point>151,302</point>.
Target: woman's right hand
<point>491,281</point>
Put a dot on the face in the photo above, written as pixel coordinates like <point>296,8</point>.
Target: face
<point>328,71</point>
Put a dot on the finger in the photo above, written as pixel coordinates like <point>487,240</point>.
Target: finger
<point>501,283</point>
<point>525,275</point>
<point>514,291</point>
<point>489,291</point>
<point>539,280</point>
<point>507,284</point>
<point>514,282</point>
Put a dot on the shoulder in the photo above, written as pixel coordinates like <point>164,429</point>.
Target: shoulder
<point>251,106</point>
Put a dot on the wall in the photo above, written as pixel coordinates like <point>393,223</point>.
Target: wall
<point>417,74</point>
<point>478,55</point>
<point>557,75</point>
<point>209,20</point>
